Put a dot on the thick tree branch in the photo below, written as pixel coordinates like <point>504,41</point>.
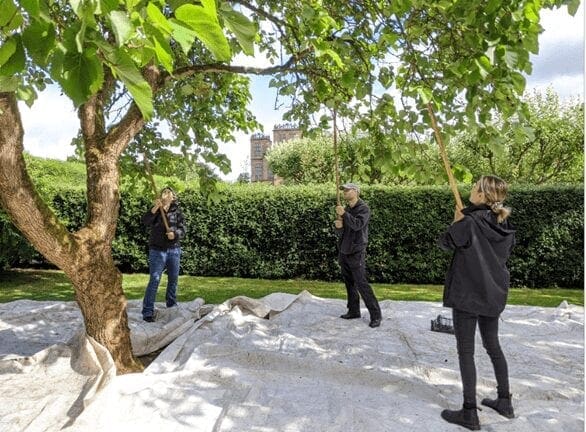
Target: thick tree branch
<point>26,209</point>
<point>225,68</point>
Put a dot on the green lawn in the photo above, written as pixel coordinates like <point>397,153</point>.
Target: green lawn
<point>53,285</point>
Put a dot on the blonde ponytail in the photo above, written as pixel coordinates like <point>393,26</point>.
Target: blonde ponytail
<point>495,192</point>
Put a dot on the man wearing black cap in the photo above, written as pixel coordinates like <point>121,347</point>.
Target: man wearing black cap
<point>352,229</point>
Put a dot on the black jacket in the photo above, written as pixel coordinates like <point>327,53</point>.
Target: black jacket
<point>478,278</point>
<point>354,233</point>
<point>158,239</point>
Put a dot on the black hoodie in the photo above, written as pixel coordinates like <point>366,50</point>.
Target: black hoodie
<point>158,238</point>
<point>478,278</point>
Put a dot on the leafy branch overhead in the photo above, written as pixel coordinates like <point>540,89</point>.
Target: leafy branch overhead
<point>440,51</point>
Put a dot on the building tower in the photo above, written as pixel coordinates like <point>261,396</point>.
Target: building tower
<point>285,132</point>
<point>259,168</point>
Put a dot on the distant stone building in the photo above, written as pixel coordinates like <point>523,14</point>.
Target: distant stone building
<point>259,168</point>
<point>261,143</point>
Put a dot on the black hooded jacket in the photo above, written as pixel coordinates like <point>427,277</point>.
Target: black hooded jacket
<point>354,234</point>
<point>158,239</point>
<point>478,279</point>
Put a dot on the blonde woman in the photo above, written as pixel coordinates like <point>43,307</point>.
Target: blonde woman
<point>476,288</point>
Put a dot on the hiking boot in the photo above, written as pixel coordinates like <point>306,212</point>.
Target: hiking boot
<point>503,406</point>
<point>466,417</point>
<point>151,318</point>
<point>375,322</point>
<point>350,315</point>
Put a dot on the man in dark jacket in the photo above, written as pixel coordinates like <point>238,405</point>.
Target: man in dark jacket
<point>164,250</point>
<point>352,229</point>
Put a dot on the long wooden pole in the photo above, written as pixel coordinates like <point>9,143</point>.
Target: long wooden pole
<point>444,155</point>
<point>147,167</point>
<point>336,166</point>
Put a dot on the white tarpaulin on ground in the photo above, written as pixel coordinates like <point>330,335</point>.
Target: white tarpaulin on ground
<point>284,363</point>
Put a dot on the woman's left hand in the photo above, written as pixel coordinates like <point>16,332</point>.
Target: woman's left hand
<point>458,215</point>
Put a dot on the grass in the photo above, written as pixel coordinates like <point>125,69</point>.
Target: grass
<point>53,285</point>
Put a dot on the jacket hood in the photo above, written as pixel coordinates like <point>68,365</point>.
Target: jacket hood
<point>486,220</point>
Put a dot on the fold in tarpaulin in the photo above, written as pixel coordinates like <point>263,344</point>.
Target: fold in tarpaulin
<point>283,363</point>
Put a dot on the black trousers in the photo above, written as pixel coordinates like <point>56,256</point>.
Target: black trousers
<point>465,330</point>
<point>354,274</point>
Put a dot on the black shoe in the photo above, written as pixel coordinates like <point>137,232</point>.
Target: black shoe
<point>149,319</point>
<point>350,315</point>
<point>374,322</point>
<point>503,406</point>
<point>466,417</point>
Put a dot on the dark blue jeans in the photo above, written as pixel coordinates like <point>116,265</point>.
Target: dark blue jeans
<point>465,330</point>
<point>353,268</point>
<point>158,261</point>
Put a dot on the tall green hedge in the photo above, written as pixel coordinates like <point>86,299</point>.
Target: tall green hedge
<point>263,231</point>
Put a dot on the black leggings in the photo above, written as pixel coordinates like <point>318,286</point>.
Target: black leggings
<point>465,329</point>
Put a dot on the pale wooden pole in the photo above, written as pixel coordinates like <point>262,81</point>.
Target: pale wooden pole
<point>336,166</point>
<point>147,167</point>
<point>444,156</point>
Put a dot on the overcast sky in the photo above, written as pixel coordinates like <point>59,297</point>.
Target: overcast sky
<point>52,122</point>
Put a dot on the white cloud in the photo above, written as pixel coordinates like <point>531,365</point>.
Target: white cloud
<point>49,125</point>
<point>560,62</point>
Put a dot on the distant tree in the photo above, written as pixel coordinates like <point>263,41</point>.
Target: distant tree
<point>546,148</point>
<point>361,158</point>
<point>243,177</point>
<point>303,160</point>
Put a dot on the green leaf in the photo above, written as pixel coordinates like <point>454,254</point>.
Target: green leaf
<point>82,75</point>
<point>182,34</point>
<point>7,49</point>
<point>108,6</point>
<point>492,6</point>
<point>77,6</point>
<point>484,66</point>
<point>162,49</point>
<point>244,29</point>
<point>531,43</point>
<point>31,6</point>
<point>123,67</point>
<point>518,82</point>
<point>16,62</point>
<point>332,54</point>
<point>7,12</point>
<point>425,94</point>
<point>26,94</point>
<point>573,6</point>
<point>122,27</point>
<point>176,3</point>
<point>203,20</point>
<point>8,84</point>
<point>39,40</point>
<point>511,58</point>
<point>530,13</point>
<point>158,19</point>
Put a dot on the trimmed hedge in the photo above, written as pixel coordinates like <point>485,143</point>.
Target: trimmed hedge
<point>262,231</point>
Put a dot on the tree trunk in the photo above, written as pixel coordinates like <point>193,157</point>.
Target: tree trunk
<point>85,256</point>
<point>98,292</point>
